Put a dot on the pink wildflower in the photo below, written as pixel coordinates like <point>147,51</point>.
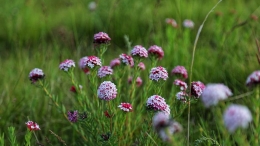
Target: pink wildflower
<point>236,116</point>
<point>183,85</point>
<point>139,51</point>
<point>158,103</point>
<point>115,62</point>
<point>67,64</point>
<point>188,23</point>
<point>171,21</point>
<point>197,88</point>
<point>36,74</point>
<point>141,66</point>
<point>156,51</point>
<point>157,73</point>
<point>107,90</point>
<point>32,126</point>
<point>126,59</point>
<point>73,116</point>
<point>213,93</point>
<point>253,78</point>
<point>89,62</point>
<point>104,71</point>
<point>182,96</point>
<point>138,81</point>
<point>180,70</point>
<point>127,107</point>
<point>101,38</point>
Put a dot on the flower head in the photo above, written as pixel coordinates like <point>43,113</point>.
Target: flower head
<point>36,74</point>
<point>127,60</point>
<point>32,126</point>
<point>183,85</point>
<point>253,78</point>
<point>160,120</point>
<point>104,71</point>
<point>180,70</point>
<point>213,93</point>
<point>171,22</point>
<point>197,88</point>
<point>138,81</point>
<point>107,90</point>
<point>139,51</point>
<point>73,88</point>
<point>67,64</point>
<point>101,38</point>
<point>182,96</point>
<point>89,62</point>
<point>115,62</point>
<point>141,66</point>
<point>73,116</point>
<point>127,107</point>
<point>188,23</point>
<point>157,73</point>
<point>156,51</point>
<point>92,6</point>
<point>158,103</point>
<point>236,116</point>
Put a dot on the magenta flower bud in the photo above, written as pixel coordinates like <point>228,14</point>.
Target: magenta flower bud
<point>237,116</point>
<point>139,51</point>
<point>183,85</point>
<point>107,91</point>
<point>127,107</point>
<point>213,93</point>
<point>171,22</point>
<point>101,38</point>
<point>141,66</point>
<point>73,116</point>
<point>36,74</point>
<point>115,62</point>
<point>104,71</point>
<point>180,70</point>
<point>157,73</point>
<point>253,78</point>
<point>188,23</point>
<point>89,62</point>
<point>32,126</point>
<point>156,51</point>
<point>138,81</point>
<point>197,88</point>
<point>126,59</point>
<point>158,103</point>
<point>66,65</point>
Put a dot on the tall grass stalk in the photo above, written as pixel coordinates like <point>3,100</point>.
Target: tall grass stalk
<point>191,67</point>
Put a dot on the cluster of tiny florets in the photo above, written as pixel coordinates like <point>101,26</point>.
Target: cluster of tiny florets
<point>67,64</point>
<point>253,78</point>
<point>138,81</point>
<point>197,89</point>
<point>73,116</point>
<point>115,62</point>
<point>188,23</point>
<point>107,90</point>
<point>157,73</point>
<point>171,22</point>
<point>89,62</point>
<point>182,96</point>
<point>127,107</point>
<point>36,74</point>
<point>141,66</point>
<point>156,51</point>
<point>127,59</point>
<point>180,70</point>
<point>139,51</point>
<point>158,103</point>
<point>183,85</point>
<point>101,38</point>
<point>32,126</point>
<point>104,71</point>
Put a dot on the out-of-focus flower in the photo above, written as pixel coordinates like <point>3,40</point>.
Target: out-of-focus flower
<point>156,51</point>
<point>105,137</point>
<point>32,126</point>
<point>73,89</point>
<point>92,6</point>
<point>236,116</point>
<point>139,51</point>
<point>158,103</point>
<point>213,93</point>
<point>160,120</point>
<point>180,70</point>
<point>104,71</point>
<point>86,71</point>
<point>253,78</point>
<point>115,62</point>
<point>73,116</point>
<point>127,60</point>
<point>172,22</point>
<point>197,88</point>
<point>138,81</point>
<point>157,73</point>
<point>188,23</point>
<point>182,84</point>
<point>36,74</point>
<point>101,38</point>
<point>107,114</point>
<point>254,17</point>
<point>182,96</point>
<point>141,66</point>
<point>127,107</point>
<point>107,90</point>
<point>89,62</point>
<point>67,64</point>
